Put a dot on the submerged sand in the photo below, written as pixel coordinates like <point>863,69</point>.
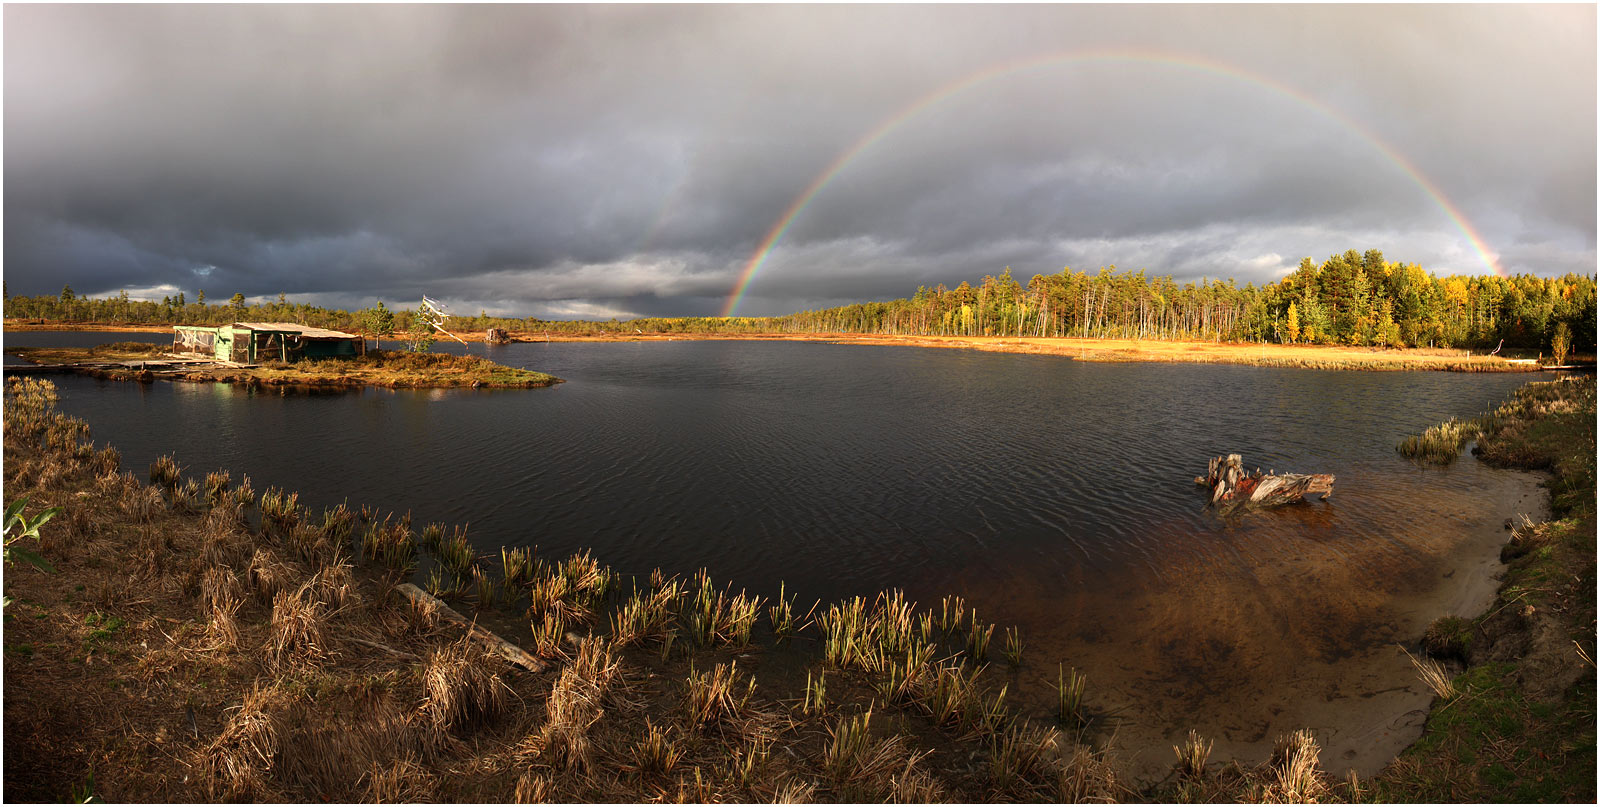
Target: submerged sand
<point>1274,630</point>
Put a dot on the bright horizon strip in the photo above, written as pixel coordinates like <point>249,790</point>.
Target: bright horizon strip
<point>798,206</point>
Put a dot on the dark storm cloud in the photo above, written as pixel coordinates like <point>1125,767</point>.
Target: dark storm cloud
<point>613,160</point>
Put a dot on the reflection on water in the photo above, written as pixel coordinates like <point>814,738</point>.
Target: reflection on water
<point>1055,495</point>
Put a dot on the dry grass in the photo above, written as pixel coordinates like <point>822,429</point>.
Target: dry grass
<point>463,687</point>
<point>1294,776</point>
<point>1192,756</point>
<point>574,706</point>
<point>1434,676</point>
<point>235,765</point>
<point>717,696</point>
<point>298,630</point>
<point>268,574</point>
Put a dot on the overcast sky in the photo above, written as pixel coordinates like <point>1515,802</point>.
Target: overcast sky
<point>591,161</point>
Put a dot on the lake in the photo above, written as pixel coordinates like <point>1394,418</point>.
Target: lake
<point>1054,495</point>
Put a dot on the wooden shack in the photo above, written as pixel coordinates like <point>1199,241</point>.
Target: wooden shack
<point>254,342</point>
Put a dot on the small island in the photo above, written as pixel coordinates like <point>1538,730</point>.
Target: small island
<point>137,361</point>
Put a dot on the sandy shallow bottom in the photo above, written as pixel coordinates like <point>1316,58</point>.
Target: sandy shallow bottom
<point>1274,632</point>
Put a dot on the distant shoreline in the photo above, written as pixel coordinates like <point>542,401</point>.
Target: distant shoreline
<point>1320,357</point>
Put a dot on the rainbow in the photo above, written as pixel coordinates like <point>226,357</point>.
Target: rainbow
<point>877,133</point>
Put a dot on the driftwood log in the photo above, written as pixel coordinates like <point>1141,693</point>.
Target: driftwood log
<point>507,650</point>
<point>1232,486</point>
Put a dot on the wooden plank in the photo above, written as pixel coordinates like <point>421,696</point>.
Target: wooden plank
<point>507,650</point>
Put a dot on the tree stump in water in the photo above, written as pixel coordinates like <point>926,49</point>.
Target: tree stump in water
<point>1232,486</point>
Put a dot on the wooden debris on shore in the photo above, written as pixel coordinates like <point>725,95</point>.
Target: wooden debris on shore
<point>505,649</point>
<point>1232,486</point>
<point>497,336</point>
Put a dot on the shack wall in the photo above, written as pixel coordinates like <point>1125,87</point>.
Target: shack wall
<point>330,348</point>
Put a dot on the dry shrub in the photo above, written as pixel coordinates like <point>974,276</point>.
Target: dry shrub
<point>148,563</point>
<point>235,766</point>
<point>310,544</point>
<point>462,686</point>
<point>794,791</point>
<point>914,785</point>
<point>404,782</point>
<point>224,548</point>
<point>574,705</point>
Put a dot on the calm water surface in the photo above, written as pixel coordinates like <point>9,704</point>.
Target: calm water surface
<point>1056,495</point>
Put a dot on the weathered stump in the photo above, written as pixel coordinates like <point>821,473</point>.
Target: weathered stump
<point>1232,486</point>
<point>497,336</point>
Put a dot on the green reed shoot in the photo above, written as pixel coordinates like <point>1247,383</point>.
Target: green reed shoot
<point>816,699</point>
<point>1069,696</point>
<point>1013,651</point>
<point>978,641</point>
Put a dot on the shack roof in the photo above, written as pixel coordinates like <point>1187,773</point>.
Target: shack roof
<point>305,331</point>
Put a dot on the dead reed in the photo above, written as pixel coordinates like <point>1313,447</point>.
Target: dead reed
<point>1434,676</point>
<point>716,696</point>
<point>1192,756</point>
<point>656,753</point>
<point>297,632</point>
<point>575,705</point>
<point>1295,777</point>
<point>267,574</point>
<point>235,765</point>
<point>462,687</point>
<point>216,487</point>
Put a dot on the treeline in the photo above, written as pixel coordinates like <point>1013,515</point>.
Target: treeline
<point>1350,299</point>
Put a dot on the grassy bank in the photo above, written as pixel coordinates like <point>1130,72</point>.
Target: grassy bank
<point>1515,720</point>
<point>378,368</point>
<point>195,639</point>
